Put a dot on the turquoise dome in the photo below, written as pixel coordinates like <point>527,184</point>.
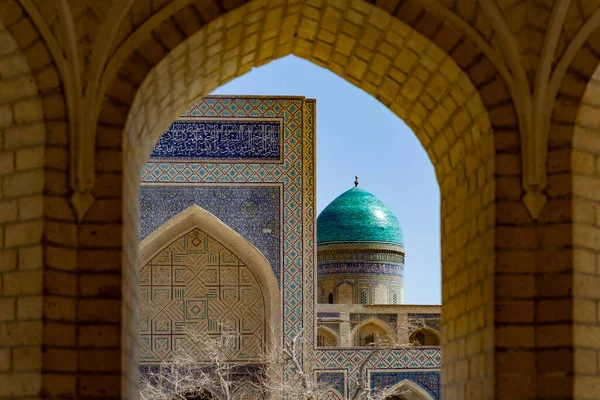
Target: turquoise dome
<point>356,216</point>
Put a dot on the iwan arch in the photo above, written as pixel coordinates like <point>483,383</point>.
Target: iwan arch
<point>501,95</point>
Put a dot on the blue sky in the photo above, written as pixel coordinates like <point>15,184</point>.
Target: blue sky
<point>357,135</point>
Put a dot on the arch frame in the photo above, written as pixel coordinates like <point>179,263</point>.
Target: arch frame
<point>329,331</point>
<point>428,329</point>
<point>194,217</point>
<point>375,321</point>
<point>457,133</point>
<point>414,386</point>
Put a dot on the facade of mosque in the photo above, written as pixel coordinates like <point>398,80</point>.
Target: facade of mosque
<point>228,237</point>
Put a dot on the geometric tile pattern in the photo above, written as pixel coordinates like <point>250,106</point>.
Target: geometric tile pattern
<point>309,224</point>
<point>196,282</point>
<point>248,210</point>
<point>380,359</point>
<point>408,358</point>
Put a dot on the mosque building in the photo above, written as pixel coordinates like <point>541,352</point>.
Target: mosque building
<point>229,233</point>
<point>360,284</point>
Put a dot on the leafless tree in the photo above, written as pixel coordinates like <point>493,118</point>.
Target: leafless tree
<point>203,366</point>
<point>286,376</point>
<point>207,366</point>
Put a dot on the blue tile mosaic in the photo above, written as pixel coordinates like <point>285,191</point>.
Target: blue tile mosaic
<point>361,268</point>
<point>224,139</point>
<point>248,210</point>
<point>430,381</point>
<point>357,216</point>
<point>333,379</point>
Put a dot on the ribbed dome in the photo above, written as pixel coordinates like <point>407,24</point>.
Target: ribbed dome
<point>356,216</point>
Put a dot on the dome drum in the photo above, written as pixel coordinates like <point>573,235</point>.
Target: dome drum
<point>360,251</point>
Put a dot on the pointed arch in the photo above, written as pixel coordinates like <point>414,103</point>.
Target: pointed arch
<point>357,331</point>
<point>412,386</point>
<point>345,293</point>
<point>431,337</point>
<point>456,131</point>
<point>376,321</point>
<point>196,217</point>
<point>331,394</point>
<point>247,391</point>
<point>330,332</point>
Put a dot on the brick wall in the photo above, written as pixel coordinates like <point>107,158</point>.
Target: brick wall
<point>22,141</point>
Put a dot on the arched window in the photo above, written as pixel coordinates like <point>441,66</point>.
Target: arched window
<point>420,338</point>
<point>363,297</point>
<point>345,295</point>
<point>381,294</point>
<point>320,341</point>
<point>326,337</point>
<point>330,298</point>
<point>371,334</point>
<point>425,337</point>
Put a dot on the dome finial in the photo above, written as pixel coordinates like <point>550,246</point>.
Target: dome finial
<point>355,181</point>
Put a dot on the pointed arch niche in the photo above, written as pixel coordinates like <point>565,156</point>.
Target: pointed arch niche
<point>232,270</point>
<point>407,390</point>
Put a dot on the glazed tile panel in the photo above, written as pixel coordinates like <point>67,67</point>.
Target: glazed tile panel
<point>292,169</point>
<point>248,210</point>
<point>390,366</point>
<point>197,283</point>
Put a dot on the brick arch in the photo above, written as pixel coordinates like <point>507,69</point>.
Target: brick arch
<point>574,195</point>
<point>414,78</point>
<point>31,129</point>
<point>581,161</point>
